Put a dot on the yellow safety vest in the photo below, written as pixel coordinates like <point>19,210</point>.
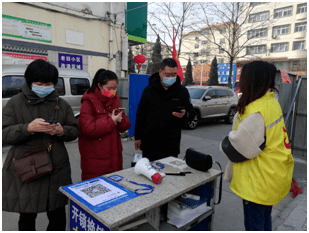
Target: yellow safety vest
<point>265,179</point>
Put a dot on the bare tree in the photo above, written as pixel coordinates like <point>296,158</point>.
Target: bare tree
<point>163,16</point>
<point>233,17</point>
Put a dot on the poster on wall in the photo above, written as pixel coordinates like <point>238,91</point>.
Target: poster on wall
<point>26,29</point>
<point>19,59</point>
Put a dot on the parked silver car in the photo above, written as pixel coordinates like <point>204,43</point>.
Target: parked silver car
<point>71,85</point>
<point>212,102</point>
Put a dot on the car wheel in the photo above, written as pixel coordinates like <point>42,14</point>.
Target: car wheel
<point>193,124</point>
<point>230,116</point>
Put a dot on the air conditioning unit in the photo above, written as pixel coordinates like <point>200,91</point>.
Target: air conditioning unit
<point>274,36</point>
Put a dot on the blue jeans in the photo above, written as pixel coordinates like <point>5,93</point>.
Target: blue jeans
<point>257,217</point>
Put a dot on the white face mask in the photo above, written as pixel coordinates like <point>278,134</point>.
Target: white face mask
<point>42,91</point>
<point>169,81</point>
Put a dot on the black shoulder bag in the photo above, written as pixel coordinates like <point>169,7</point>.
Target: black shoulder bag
<point>202,162</point>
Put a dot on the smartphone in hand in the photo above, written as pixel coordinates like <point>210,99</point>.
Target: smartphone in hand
<point>118,110</point>
<point>179,108</point>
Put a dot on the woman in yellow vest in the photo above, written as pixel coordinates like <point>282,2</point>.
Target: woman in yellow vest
<point>260,166</point>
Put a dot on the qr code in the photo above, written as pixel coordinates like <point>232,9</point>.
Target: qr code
<point>96,190</point>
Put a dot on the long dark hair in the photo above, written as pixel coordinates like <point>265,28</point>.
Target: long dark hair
<point>102,76</point>
<point>255,80</point>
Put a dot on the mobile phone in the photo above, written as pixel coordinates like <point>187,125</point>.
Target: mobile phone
<point>52,122</point>
<point>179,108</point>
<point>118,110</point>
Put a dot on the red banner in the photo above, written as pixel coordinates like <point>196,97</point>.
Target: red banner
<point>175,57</point>
<point>23,56</point>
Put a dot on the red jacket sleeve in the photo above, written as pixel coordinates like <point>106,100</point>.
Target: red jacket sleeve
<point>92,127</point>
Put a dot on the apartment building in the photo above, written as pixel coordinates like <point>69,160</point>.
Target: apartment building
<point>199,46</point>
<point>146,50</point>
<point>277,33</point>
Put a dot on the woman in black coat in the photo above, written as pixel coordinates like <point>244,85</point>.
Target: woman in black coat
<point>25,126</point>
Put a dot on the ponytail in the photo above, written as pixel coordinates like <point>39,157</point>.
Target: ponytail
<point>95,81</point>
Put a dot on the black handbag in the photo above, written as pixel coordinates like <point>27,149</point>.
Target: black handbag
<point>202,162</point>
<point>197,160</point>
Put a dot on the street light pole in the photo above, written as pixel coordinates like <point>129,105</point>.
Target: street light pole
<point>201,81</point>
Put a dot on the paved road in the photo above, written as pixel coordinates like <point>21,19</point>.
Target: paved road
<point>206,138</point>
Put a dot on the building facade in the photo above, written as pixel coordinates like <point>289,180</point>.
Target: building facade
<point>199,46</point>
<point>277,33</point>
<point>84,36</point>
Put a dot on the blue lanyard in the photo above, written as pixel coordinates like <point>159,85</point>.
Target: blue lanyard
<point>149,188</point>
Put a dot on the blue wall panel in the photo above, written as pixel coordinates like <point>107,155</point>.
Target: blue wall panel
<point>137,84</point>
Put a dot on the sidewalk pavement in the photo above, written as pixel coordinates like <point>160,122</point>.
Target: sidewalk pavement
<point>288,215</point>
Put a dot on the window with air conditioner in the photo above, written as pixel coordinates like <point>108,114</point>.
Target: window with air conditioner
<point>257,33</point>
<point>281,30</point>
<point>197,38</point>
<point>283,12</point>
<point>279,47</point>
<point>204,42</point>
<point>221,51</point>
<point>258,49</point>
<point>300,27</point>
<point>221,60</point>
<point>298,45</point>
<point>195,54</point>
<point>196,46</point>
<point>258,17</point>
<point>222,41</point>
<point>301,8</point>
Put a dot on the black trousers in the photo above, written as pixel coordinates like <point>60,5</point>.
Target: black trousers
<point>57,220</point>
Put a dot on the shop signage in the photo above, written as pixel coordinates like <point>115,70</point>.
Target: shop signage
<point>70,61</point>
<point>26,29</point>
<point>224,72</point>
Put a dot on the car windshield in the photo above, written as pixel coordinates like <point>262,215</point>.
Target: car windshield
<point>196,93</point>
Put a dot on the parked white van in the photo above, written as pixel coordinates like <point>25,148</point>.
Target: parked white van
<point>71,85</point>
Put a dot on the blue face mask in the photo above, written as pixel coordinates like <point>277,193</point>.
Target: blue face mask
<point>42,91</point>
<point>169,81</point>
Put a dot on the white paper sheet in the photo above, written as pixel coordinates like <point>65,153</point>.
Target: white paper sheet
<point>180,222</point>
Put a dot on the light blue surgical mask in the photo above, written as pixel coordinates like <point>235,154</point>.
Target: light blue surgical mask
<point>42,91</point>
<point>169,81</point>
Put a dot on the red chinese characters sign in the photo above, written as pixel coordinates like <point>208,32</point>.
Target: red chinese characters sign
<point>19,59</point>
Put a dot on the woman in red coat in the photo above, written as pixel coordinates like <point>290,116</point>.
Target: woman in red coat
<point>100,123</point>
